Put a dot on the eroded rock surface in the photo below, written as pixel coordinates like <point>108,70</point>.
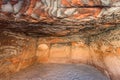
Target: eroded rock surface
<point>59,17</point>
<point>52,10</point>
<point>60,31</point>
<point>101,51</point>
<point>16,52</point>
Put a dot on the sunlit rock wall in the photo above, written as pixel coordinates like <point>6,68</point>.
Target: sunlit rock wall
<point>16,52</point>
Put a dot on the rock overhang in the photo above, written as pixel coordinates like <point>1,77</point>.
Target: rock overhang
<point>59,17</point>
<point>61,39</point>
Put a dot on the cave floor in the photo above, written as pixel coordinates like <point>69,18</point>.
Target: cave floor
<point>59,72</point>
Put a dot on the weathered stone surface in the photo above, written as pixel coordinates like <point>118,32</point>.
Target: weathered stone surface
<point>59,52</point>
<point>62,16</point>
<point>80,52</point>
<point>42,53</point>
<point>101,51</point>
<point>54,9</point>
<point>60,31</point>
<point>43,47</point>
<point>17,51</point>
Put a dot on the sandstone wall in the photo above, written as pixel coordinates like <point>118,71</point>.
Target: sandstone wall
<point>89,31</point>
<point>101,51</point>
<point>16,52</point>
<point>52,10</point>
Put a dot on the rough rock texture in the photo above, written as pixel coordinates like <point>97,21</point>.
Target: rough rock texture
<point>60,31</point>
<point>91,16</point>
<point>16,52</point>
<point>101,51</point>
<point>55,9</point>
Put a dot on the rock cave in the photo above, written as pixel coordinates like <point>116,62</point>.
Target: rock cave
<point>59,40</point>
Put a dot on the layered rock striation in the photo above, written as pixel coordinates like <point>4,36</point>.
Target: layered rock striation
<point>49,10</point>
<point>60,31</point>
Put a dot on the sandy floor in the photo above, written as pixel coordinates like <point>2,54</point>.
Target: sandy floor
<point>59,72</point>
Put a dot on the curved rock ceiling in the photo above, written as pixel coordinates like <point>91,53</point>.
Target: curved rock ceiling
<point>68,16</point>
<point>56,9</point>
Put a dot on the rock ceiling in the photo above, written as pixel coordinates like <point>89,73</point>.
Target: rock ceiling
<point>59,17</point>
